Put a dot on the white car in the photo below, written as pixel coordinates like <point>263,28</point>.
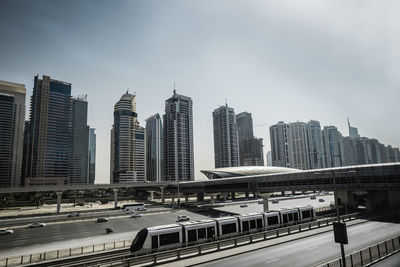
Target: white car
<point>136,215</point>
<point>36,225</point>
<point>141,209</point>
<point>183,218</point>
<point>6,231</point>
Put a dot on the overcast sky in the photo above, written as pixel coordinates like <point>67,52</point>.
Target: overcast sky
<point>279,60</point>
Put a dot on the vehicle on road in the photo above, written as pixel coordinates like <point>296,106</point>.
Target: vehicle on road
<point>183,218</point>
<point>313,197</point>
<point>136,215</point>
<point>102,220</point>
<point>109,230</point>
<point>243,205</point>
<point>74,214</point>
<point>321,200</point>
<point>36,225</point>
<point>192,232</point>
<point>275,201</point>
<point>134,207</point>
<point>6,231</point>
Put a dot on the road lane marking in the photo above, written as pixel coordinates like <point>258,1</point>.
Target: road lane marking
<point>276,259</point>
<point>312,248</point>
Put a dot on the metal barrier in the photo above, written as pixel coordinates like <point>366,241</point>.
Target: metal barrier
<point>367,255</point>
<point>177,252</point>
<point>62,253</point>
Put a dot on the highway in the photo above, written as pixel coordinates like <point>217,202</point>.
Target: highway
<point>56,235</point>
<point>312,250</point>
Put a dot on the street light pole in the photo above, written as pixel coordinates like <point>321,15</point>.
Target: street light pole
<point>338,216</point>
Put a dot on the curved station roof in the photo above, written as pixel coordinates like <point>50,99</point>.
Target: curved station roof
<point>245,171</point>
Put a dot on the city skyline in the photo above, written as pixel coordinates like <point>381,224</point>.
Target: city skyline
<point>352,68</point>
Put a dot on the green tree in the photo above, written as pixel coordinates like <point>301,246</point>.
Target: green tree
<point>38,199</point>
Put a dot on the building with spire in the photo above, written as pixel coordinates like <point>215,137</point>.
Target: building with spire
<point>178,154</point>
<point>353,131</point>
<point>128,161</point>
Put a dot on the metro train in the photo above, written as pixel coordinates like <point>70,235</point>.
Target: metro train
<point>186,233</point>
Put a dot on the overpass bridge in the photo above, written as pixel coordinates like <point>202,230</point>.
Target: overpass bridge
<point>380,182</point>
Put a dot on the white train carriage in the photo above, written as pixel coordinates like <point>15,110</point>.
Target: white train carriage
<point>227,226</point>
<point>272,220</point>
<point>306,213</point>
<point>199,231</point>
<point>157,237</point>
<point>289,216</point>
<point>250,222</point>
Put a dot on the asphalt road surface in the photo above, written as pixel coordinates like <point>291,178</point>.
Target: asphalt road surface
<point>312,250</point>
<point>62,232</point>
<point>392,261</point>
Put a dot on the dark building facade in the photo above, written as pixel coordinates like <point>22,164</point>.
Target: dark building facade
<point>154,148</point>
<point>49,145</point>
<point>178,139</point>
<point>92,155</point>
<point>250,147</point>
<point>80,141</point>
<point>226,145</point>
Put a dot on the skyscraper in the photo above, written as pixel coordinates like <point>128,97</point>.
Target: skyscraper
<point>226,146</point>
<point>298,144</point>
<point>154,148</point>
<point>80,142</point>
<point>333,143</point>
<point>92,155</point>
<point>269,158</point>
<point>127,143</point>
<point>315,146</point>
<point>178,139</point>
<point>12,119</point>
<point>49,144</point>
<point>250,148</point>
<point>353,131</point>
<point>279,144</point>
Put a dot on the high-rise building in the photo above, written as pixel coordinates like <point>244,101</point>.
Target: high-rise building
<point>79,173</point>
<point>226,146</point>
<point>333,143</point>
<point>250,148</point>
<point>12,119</point>
<point>279,144</point>
<point>154,148</point>
<point>315,146</point>
<point>269,158</point>
<point>178,139</point>
<point>349,151</point>
<point>298,145</point>
<point>353,131</point>
<point>49,145</point>
<point>127,143</point>
<point>92,155</point>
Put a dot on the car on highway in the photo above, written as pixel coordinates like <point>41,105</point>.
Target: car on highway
<point>74,214</point>
<point>321,200</point>
<point>312,197</point>
<point>243,205</point>
<point>183,218</point>
<point>142,209</point>
<point>275,201</point>
<point>36,225</point>
<point>136,215</point>
<point>101,220</point>
<point>6,231</point>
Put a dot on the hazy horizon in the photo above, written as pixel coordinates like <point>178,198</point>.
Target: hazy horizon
<point>280,61</point>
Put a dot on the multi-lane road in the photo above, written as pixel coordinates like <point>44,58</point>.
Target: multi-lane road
<point>312,250</point>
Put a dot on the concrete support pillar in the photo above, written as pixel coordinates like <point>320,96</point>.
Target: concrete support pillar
<point>233,195</point>
<point>293,192</point>
<point>162,195</point>
<point>246,194</point>
<point>265,197</point>
<point>172,197</point>
<point>59,194</point>
<point>151,195</point>
<point>186,200</point>
<point>200,197</point>
<point>283,193</point>
<point>115,197</point>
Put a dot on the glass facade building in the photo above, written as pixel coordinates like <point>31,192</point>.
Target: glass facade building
<point>154,148</point>
<point>92,155</point>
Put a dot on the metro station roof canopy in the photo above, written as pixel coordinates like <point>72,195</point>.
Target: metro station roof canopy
<point>245,171</point>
